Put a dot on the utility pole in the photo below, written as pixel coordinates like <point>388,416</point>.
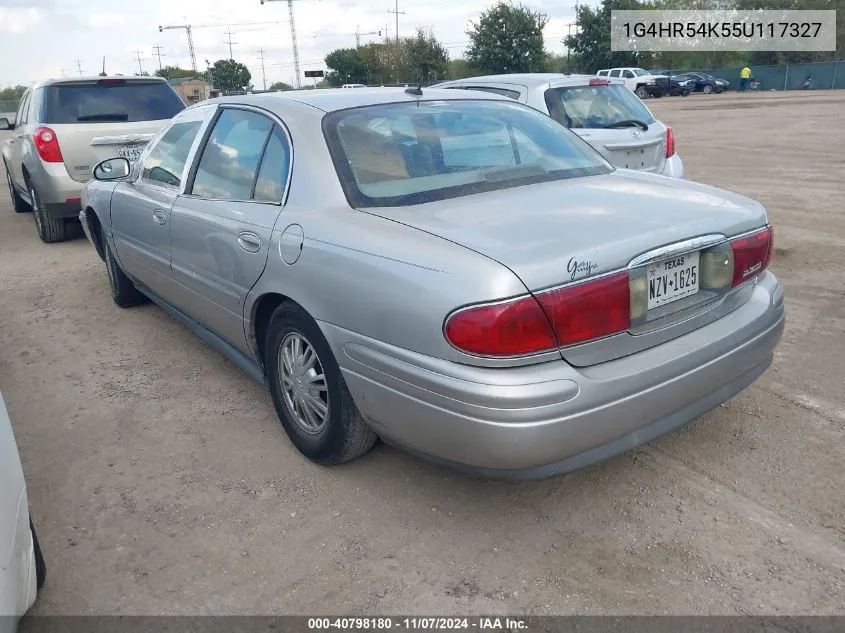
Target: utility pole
<point>79,66</point>
<point>64,72</point>
<point>230,42</point>
<point>396,11</point>
<point>263,74</point>
<point>187,28</point>
<point>298,79</point>
<point>358,36</point>
<point>138,57</point>
<point>158,54</point>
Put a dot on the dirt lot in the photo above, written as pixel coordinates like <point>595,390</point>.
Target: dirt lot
<point>161,482</point>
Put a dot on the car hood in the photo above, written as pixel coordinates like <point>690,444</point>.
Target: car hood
<point>562,231</point>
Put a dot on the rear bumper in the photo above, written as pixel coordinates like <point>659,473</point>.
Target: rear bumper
<point>550,418</point>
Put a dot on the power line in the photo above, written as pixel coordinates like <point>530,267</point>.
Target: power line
<point>138,57</point>
<point>230,42</point>
<point>396,11</point>
<point>263,73</point>
<point>158,54</point>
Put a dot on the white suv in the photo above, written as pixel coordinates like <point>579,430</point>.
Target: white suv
<point>639,81</point>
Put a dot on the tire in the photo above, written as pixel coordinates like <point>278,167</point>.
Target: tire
<point>50,230</point>
<point>123,291</point>
<point>685,93</point>
<point>707,89</point>
<point>40,566</point>
<point>18,204</point>
<point>641,92</point>
<point>332,436</point>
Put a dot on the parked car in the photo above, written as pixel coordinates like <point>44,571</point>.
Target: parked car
<point>707,83</point>
<point>601,111</point>
<point>639,81</point>
<point>22,568</point>
<point>64,127</point>
<point>680,85</point>
<point>450,270</point>
<point>353,86</point>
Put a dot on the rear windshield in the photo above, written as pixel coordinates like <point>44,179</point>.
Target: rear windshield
<point>596,106</point>
<point>96,103</point>
<point>411,153</point>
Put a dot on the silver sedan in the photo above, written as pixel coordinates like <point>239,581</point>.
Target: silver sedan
<point>454,272</point>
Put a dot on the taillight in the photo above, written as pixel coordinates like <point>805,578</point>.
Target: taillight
<point>589,310</point>
<point>670,143</point>
<point>47,145</point>
<point>599,82</point>
<point>506,328</point>
<point>752,255</point>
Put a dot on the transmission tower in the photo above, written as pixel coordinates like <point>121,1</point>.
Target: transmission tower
<point>297,78</point>
<point>187,28</point>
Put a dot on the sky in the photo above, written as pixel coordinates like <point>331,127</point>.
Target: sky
<point>40,39</point>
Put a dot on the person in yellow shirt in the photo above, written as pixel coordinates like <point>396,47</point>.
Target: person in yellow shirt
<point>744,78</point>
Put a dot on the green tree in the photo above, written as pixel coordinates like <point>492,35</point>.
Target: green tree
<point>174,72</point>
<point>427,58</point>
<point>508,39</point>
<point>230,76</point>
<point>459,69</point>
<point>281,86</point>
<point>346,67</point>
<point>12,93</point>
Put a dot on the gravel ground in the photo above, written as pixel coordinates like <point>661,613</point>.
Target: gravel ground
<point>161,482</point>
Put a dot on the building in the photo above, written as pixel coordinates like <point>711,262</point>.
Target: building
<point>193,89</point>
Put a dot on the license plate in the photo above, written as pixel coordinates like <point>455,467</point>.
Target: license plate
<point>672,279</point>
<point>130,152</point>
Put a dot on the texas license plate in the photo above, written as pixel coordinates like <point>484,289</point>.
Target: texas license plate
<point>672,279</point>
<point>130,152</point>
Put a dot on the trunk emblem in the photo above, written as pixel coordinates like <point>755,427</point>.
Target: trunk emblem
<point>636,134</point>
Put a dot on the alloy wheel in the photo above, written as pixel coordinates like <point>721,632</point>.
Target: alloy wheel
<point>303,383</point>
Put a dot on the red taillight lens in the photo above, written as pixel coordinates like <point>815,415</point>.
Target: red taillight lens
<point>752,255</point>
<point>599,82</point>
<point>508,328</point>
<point>111,82</point>
<point>670,143</point>
<point>47,145</point>
<point>589,310</point>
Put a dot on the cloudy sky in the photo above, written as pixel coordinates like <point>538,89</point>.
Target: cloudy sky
<point>52,38</point>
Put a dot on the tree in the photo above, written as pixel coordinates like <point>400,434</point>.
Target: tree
<point>230,76</point>
<point>174,72</point>
<point>427,58</point>
<point>459,69</point>
<point>346,67</point>
<point>281,86</point>
<point>508,39</point>
<point>12,94</point>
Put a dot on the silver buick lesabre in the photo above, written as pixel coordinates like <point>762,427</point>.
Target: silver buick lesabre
<point>451,271</point>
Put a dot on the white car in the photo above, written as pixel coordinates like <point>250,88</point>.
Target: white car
<point>638,80</point>
<point>601,111</point>
<point>22,569</point>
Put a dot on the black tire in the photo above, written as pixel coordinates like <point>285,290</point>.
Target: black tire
<point>40,565</point>
<point>18,204</point>
<point>344,435</point>
<point>641,92</point>
<point>123,291</point>
<point>50,230</point>
<point>707,89</point>
<point>685,93</point>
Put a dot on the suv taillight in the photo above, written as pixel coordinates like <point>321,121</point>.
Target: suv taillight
<point>670,143</point>
<point>47,145</point>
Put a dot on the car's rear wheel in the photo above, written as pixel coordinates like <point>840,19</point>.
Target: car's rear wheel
<point>708,89</point>
<point>641,92</point>
<point>18,203</point>
<point>123,291</point>
<point>40,566</point>
<point>685,93</point>
<point>50,230</point>
<point>309,393</point>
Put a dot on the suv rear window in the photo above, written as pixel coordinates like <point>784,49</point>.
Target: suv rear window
<point>596,106</point>
<point>412,153</point>
<point>107,103</point>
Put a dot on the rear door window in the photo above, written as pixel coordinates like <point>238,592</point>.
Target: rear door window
<point>614,73</point>
<point>21,116</point>
<point>110,101</point>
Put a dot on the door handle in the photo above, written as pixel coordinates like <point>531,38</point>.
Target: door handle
<point>249,242</point>
<point>159,216</point>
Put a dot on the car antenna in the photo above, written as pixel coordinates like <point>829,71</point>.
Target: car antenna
<point>103,74</point>
<point>415,91</point>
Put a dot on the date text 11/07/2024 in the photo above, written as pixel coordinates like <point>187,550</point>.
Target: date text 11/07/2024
<point>417,623</point>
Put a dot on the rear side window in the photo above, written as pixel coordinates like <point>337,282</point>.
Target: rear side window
<point>166,160</point>
<point>513,94</point>
<point>273,173</point>
<point>596,106</point>
<point>614,73</point>
<point>229,164</point>
<point>100,102</point>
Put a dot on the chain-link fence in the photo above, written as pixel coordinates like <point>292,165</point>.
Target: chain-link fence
<point>822,76</point>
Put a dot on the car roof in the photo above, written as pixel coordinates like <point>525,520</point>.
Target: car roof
<point>529,80</point>
<point>93,79</point>
<point>332,99</point>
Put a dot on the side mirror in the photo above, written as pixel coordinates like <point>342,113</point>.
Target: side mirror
<point>5,125</point>
<point>112,169</point>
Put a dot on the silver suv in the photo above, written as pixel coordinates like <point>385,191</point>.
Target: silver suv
<point>600,110</point>
<point>64,127</point>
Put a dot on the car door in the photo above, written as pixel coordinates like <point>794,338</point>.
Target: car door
<point>16,142</point>
<point>140,208</point>
<point>221,226</point>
